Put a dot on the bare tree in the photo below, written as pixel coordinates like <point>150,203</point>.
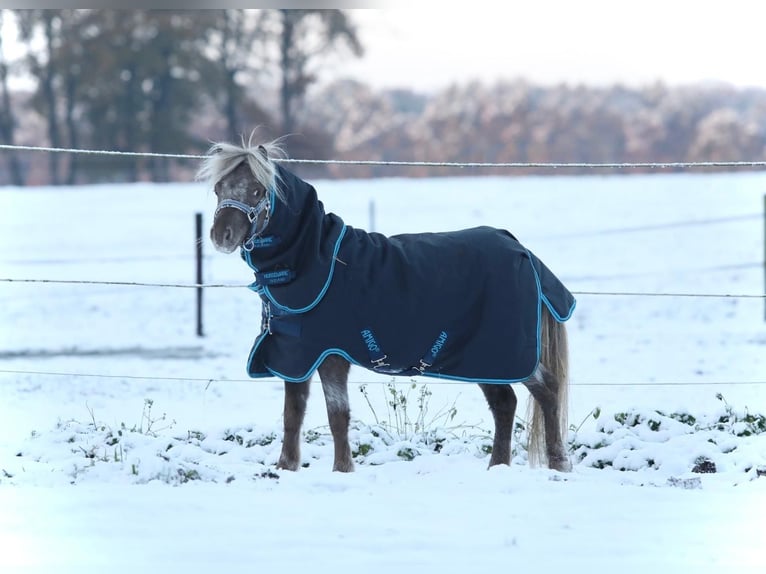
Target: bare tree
<point>42,65</point>
<point>7,122</point>
<point>305,37</point>
<point>238,35</point>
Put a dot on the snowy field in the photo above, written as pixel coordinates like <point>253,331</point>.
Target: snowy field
<point>165,462</point>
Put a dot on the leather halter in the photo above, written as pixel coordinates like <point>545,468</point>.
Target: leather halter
<point>252,213</point>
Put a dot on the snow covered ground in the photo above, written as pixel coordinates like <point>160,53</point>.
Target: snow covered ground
<point>166,461</point>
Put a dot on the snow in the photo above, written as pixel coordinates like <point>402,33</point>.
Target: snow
<point>138,471</point>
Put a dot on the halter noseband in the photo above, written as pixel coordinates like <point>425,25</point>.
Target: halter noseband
<point>252,213</point>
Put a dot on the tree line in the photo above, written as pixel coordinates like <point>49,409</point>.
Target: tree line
<point>170,82</point>
<point>517,121</point>
<point>155,80</point>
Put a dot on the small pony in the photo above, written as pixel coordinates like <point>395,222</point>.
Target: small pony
<point>471,305</point>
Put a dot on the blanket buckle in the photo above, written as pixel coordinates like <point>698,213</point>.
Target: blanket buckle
<point>421,368</point>
<point>380,362</point>
<point>266,316</point>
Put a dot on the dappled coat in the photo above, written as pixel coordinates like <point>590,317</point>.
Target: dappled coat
<point>460,305</point>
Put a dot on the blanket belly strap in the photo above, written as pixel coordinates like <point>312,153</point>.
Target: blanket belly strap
<point>276,321</point>
<point>377,356</point>
<point>378,359</point>
<point>430,357</point>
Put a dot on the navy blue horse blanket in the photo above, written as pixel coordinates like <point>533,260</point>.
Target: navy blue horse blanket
<point>462,305</point>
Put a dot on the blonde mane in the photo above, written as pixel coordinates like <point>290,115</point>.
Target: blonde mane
<point>223,157</point>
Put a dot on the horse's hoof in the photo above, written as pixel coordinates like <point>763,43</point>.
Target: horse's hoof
<point>562,465</point>
<point>288,465</point>
<point>346,466</point>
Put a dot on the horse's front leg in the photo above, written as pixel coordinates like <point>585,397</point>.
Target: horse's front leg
<point>296,397</point>
<point>334,375</point>
<point>502,405</point>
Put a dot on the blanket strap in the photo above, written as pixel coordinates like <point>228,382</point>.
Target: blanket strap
<point>278,277</point>
<point>377,357</point>
<point>429,358</point>
<point>275,321</point>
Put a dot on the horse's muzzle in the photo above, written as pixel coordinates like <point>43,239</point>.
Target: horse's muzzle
<point>229,231</point>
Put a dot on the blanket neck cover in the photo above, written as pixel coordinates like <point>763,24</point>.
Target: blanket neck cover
<point>462,305</point>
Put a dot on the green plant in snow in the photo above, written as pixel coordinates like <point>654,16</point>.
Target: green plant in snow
<point>242,439</point>
<point>742,424</point>
<point>148,421</point>
<point>636,429</point>
<point>409,418</point>
<point>404,422</point>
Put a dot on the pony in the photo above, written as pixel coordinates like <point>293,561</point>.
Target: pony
<point>333,296</point>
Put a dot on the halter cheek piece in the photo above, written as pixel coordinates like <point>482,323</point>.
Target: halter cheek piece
<point>252,213</point>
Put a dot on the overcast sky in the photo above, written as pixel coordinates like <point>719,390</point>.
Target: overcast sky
<point>550,41</point>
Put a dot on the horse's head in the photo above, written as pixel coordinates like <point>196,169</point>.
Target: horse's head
<point>245,185</point>
<point>243,209</point>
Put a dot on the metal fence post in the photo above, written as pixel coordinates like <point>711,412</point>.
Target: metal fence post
<point>198,250</point>
<point>372,216</point>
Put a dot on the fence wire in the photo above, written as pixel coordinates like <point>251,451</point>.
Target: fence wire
<point>242,286</point>
<point>463,164</point>
<point>511,165</point>
<point>429,381</point>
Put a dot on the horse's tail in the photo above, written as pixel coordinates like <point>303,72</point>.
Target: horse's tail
<point>553,385</point>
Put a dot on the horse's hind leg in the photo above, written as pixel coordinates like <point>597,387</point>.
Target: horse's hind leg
<point>296,397</point>
<point>549,386</point>
<point>334,375</point>
<point>502,404</point>
<point>544,387</point>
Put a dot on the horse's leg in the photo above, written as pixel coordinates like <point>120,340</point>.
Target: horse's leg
<point>502,404</point>
<point>296,397</point>
<point>334,374</point>
<point>542,386</point>
<point>548,387</point>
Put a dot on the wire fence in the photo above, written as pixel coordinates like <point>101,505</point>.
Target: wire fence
<point>428,381</point>
<point>244,285</point>
<point>510,165</point>
<point>471,164</point>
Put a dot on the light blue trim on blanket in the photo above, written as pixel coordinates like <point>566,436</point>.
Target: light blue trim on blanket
<point>264,289</point>
<point>334,351</point>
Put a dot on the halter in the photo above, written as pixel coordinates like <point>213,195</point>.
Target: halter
<point>252,213</point>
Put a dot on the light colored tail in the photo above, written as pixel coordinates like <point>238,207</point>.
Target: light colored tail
<point>553,381</point>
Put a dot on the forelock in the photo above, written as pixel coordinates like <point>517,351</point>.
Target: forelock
<point>223,158</point>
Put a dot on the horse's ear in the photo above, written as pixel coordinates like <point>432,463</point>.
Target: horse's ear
<point>263,151</point>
